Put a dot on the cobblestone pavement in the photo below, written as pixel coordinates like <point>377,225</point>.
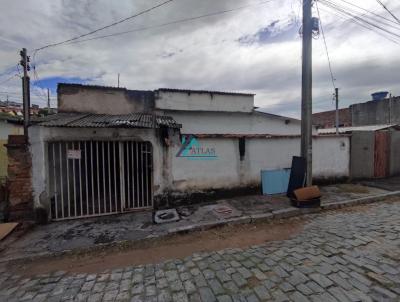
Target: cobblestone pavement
<point>339,256</point>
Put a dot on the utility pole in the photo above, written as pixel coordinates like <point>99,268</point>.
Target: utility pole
<point>306,91</point>
<point>25,90</point>
<point>48,99</point>
<point>118,80</point>
<point>337,110</point>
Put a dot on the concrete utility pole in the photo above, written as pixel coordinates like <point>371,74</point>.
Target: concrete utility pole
<point>48,99</point>
<point>25,89</point>
<point>337,110</point>
<point>306,91</point>
<point>118,80</point>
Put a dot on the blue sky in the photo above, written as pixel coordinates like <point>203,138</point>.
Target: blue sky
<point>52,82</point>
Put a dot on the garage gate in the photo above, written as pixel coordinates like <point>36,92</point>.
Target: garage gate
<point>94,178</point>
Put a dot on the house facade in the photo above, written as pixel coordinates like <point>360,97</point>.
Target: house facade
<point>111,150</point>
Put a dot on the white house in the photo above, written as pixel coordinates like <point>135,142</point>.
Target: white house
<point>112,150</point>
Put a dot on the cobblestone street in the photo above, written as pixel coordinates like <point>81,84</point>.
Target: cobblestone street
<point>349,255</point>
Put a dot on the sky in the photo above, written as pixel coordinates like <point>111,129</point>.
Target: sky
<point>254,49</point>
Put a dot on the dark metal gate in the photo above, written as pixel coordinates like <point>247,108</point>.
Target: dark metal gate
<point>94,178</point>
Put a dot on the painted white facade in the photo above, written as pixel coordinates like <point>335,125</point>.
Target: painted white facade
<point>203,101</point>
<point>331,159</point>
<point>220,121</point>
<point>234,123</point>
<point>39,136</point>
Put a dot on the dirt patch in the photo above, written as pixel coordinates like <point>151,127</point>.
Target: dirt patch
<point>177,246</point>
<point>350,188</point>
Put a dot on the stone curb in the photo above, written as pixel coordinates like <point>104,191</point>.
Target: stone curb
<point>262,217</point>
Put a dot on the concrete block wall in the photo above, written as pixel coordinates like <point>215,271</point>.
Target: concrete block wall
<point>362,154</point>
<point>331,161</point>
<point>386,111</point>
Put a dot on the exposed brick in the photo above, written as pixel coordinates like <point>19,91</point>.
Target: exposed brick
<point>20,180</point>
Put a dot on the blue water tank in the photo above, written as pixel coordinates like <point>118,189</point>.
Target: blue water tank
<point>379,96</point>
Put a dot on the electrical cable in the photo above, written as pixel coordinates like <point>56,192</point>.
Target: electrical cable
<point>9,79</point>
<point>352,20</point>
<point>368,11</point>
<point>326,47</point>
<point>367,15</point>
<point>105,27</point>
<point>390,12</point>
<point>333,6</point>
<point>171,23</point>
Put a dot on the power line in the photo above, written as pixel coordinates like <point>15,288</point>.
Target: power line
<point>9,79</point>
<point>388,10</point>
<point>371,23</point>
<point>351,19</point>
<point>105,27</point>
<point>368,15</point>
<point>172,22</point>
<point>326,47</point>
<point>368,11</point>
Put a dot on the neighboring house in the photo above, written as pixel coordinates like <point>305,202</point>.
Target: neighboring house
<point>378,112</point>
<point>327,119</point>
<point>9,125</point>
<point>111,150</point>
<point>385,111</point>
<point>375,150</point>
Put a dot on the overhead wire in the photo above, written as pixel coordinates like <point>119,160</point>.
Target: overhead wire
<point>389,11</point>
<point>361,19</point>
<point>105,27</point>
<point>8,79</point>
<point>76,39</point>
<point>350,19</point>
<point>367,15</point>
<point>172,22</point>
<point>326,47</point>
<point>368,11</point>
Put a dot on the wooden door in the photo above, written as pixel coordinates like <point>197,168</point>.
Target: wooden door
<point>381,158</point>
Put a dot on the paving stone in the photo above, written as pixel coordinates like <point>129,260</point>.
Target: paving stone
<point>297,278</point>
<point>189,286</point>
<point>383,293</point>
<point>110,295</point>
<point>321,280</point>
<point>314,287</point>
<point>298,297</point>
<point>279,296</point>
<point>262,292</point>
<point>206,294</point>
<point>239,280</point>
<point>339,294</point>
<point>224,298</point>
<point>304,289</point>
<point>244,272</point>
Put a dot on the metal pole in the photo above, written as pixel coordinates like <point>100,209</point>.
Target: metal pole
<point>25,90</point>
<point>306,94</point>
<point>390,109</point>
<point>337,110</point>
<point>118,80</point>
<point>48,99</point>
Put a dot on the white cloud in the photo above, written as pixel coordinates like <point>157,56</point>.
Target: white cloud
<point>203,54</point>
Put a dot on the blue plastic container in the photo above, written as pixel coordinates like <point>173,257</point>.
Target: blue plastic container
<point>379,96</point>
<point>275,181</point>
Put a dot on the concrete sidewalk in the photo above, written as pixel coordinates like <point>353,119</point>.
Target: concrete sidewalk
<point>85,234</point>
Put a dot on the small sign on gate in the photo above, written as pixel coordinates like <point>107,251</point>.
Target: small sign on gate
<point>74,154</point>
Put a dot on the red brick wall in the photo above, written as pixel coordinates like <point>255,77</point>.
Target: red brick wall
<point>327,119</point>
<point>20,178</point>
